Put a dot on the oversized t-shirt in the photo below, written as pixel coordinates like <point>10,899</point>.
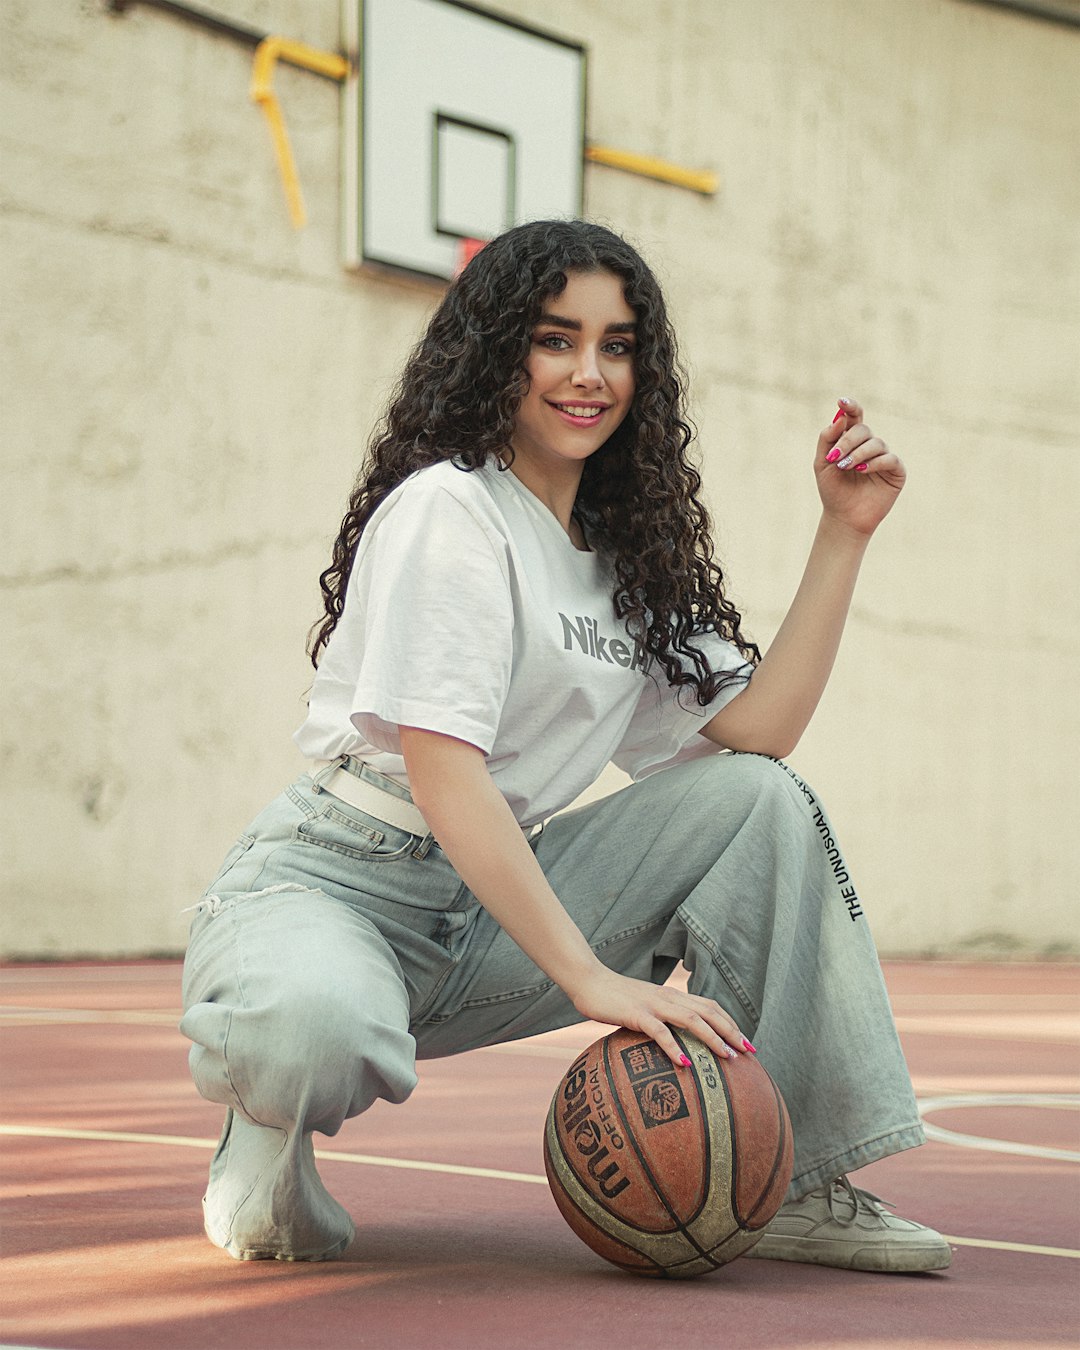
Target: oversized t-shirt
<point>469,612</point>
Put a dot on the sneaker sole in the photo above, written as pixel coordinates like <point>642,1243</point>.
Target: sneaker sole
<point>887,1258</point>
<point>239,1253</point>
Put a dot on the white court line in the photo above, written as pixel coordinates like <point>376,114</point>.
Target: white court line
<point>1012,1247</point>
<point>410,1164</point>
<point>28,1016</point>
<point>1060,1101</point>
<point>191,1141</point>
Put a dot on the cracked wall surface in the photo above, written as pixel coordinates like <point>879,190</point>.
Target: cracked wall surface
<point>189,384</point>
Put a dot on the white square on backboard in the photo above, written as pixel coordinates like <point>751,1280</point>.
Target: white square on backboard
<point>474,167</point>
<point>458,123</point>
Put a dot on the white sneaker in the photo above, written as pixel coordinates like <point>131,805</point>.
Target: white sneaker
<point>840,1225</point>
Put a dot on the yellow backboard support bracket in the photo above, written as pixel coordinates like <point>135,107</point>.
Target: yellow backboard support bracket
<point>646,166</point>
<point>268,53</point>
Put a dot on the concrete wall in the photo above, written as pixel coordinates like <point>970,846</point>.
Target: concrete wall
<point>190,384</point>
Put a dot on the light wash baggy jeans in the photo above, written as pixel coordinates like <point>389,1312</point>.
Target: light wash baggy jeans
<point>333,950</point>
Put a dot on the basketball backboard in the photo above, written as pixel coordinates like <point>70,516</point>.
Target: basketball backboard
<point>458,124</point>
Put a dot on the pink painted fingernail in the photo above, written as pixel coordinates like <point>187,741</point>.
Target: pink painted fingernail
<point>749,1046</point>
<point>684,1061</point>
<point>833,455</point>
<point>861,468</point>
<point>840,413</point>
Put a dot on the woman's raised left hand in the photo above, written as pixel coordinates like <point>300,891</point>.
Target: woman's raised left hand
<point>858,476</point>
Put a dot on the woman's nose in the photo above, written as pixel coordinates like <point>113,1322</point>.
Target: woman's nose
<point>587,374</point>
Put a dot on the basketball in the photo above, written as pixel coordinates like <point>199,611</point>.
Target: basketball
<point>666,1172</point>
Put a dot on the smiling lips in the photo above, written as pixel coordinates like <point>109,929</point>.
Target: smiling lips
<point>580,414</point>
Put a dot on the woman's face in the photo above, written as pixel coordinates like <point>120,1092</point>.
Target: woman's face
<point>581,372</point>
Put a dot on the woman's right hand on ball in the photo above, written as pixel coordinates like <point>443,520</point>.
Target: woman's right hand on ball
<point>606,996</point>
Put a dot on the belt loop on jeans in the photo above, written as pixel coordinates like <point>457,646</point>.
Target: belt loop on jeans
<point>322,769</point>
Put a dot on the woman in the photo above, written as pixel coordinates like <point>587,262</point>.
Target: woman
<point>522,590</point>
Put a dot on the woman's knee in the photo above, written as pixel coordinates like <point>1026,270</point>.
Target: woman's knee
<point>327,1046</point>
<point>322,1052</point>
<point>296,1003</point>
<point>748,783</point>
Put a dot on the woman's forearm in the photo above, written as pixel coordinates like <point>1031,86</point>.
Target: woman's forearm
<point>858,479</point>
<point>770,715</point>
<point>477,831</point>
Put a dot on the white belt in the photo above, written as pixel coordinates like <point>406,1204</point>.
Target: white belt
<point>376,801</point>
<point>367,797</point>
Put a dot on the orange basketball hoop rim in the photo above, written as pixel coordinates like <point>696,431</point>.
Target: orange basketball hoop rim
<point>467,249</point>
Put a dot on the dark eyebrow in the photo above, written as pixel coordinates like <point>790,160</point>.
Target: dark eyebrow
<point>560,321</point>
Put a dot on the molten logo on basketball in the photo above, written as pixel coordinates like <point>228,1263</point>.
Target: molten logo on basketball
<point>592,1136</point>
<point>587,1140</point>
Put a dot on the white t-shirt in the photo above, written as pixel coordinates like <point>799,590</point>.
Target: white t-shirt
<point>469,612</point>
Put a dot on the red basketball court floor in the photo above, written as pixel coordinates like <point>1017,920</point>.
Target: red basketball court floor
<point>459,1244</point>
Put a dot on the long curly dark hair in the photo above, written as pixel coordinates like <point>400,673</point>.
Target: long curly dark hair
<point>638,501</point>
